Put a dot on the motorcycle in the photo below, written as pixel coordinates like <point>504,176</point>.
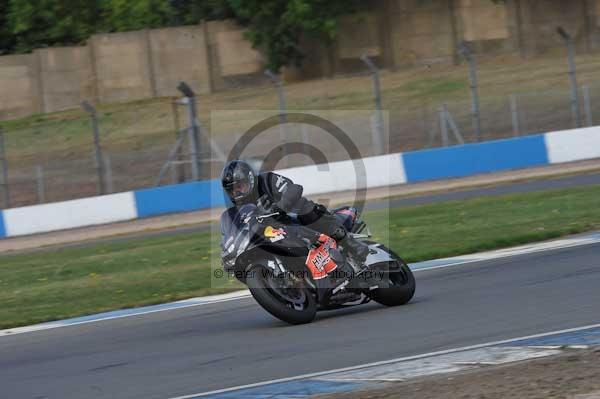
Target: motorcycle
<point>293,271</point>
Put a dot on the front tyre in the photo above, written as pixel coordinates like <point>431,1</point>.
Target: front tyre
<point>398,285</point>
<point>286,300</point>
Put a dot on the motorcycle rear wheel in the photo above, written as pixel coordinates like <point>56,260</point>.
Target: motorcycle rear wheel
<point>296,306</point>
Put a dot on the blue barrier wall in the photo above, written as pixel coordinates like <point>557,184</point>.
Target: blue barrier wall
<point>2,228</point>
<point>179,198</point>
<point>476,158</point>
<point>440,163</point>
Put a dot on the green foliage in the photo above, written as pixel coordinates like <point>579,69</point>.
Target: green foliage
<point>278,27</point>
<point>194,11</point>
<point>6,39</point>
<point>124,15</point>
<point>274,26</point>
<point>41,23</point>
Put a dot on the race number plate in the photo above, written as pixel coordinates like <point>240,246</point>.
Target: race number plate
<point>319,260</point>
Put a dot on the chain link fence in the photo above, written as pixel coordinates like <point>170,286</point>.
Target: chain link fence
<point>54,157</point>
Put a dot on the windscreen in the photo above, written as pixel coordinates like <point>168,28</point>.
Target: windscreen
<point>235,229</point>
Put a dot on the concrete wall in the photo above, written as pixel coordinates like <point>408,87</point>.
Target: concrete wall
<point>360,36</point>
<point>19,89</point>
<point>233,61</point>
<point>483,20</point>
<point>66,77</point>
<point>539,19</point>
<point>215,56</point>
<point>180,54</point>
<point>429,32</point>
<point>422,32</point>
<point>112,67</point>
<point>123,66</point>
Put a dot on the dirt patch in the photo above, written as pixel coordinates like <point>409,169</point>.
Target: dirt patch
<point>572,375</point>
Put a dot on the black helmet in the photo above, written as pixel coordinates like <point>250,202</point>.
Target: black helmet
<point>239,182</point>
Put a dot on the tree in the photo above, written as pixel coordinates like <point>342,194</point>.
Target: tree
<point>41,23</point>
<point>124,15</point>
<point>194,11</point>
<point>277,27</point>
<point>7,41</point>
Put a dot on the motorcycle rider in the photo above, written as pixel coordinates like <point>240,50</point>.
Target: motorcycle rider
<point>270,191</point>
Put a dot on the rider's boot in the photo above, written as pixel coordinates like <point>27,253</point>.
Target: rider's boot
<point>358,250</point>
<point>320,219</point>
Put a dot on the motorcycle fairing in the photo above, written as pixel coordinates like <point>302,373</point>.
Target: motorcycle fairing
<point>319,260</point>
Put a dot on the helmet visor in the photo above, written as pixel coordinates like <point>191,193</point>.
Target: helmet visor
<point>239,189</point>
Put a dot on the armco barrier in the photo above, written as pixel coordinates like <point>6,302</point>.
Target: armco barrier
<point>393,169</point>
<point>179,198</point>
<point>384,170</point>
<point>69,214</point>
<point>471,159</point>
<point>573,145</point>
<point>2,229</point>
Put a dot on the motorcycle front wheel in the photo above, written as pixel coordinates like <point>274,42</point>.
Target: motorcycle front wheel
<point>286,300</point>
<point>398,285</point>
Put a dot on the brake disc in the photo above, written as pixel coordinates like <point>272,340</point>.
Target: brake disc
<point>293,295</point>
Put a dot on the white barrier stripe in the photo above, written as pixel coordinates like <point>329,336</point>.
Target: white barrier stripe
<point>70,214</point>
<point>381,171</point>
<point>573,145</point>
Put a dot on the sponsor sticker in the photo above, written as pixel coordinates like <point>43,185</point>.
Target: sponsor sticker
<point>274,234</point>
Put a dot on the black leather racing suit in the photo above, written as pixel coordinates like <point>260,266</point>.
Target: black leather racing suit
<point>277,190</point>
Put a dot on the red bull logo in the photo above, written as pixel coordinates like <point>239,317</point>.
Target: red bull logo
<point>274,234</point>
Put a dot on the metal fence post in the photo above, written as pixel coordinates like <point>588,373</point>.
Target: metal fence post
<point>178,170</point>
<point>278,82</point>
<point>443,125</point>
<point>514,111</point>
<point>376,135</point>
<point>4,174</point>
<point>572,75</point>
<point>588,106</point>
<point>378,141</point>
<point>429,128</point>
<point>109,175</point>
<point>173,173</point>
<point>41,187</point>
<point>194,129</point>
<point>450,121</point>
<point>475,109</point>
<point>90,109</point>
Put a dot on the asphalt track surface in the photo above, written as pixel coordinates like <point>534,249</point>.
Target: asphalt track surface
<point>233,343</point>
<point>496,190</point>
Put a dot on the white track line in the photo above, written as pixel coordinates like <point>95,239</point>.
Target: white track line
<point>508,252</point>
<point>385,362</point>
<point>209,300</point>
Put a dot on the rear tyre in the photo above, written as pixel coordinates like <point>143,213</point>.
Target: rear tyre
<point>294,305</point>
<point>398,285</point>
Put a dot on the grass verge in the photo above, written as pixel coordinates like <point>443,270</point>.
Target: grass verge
<point>76,281</point>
